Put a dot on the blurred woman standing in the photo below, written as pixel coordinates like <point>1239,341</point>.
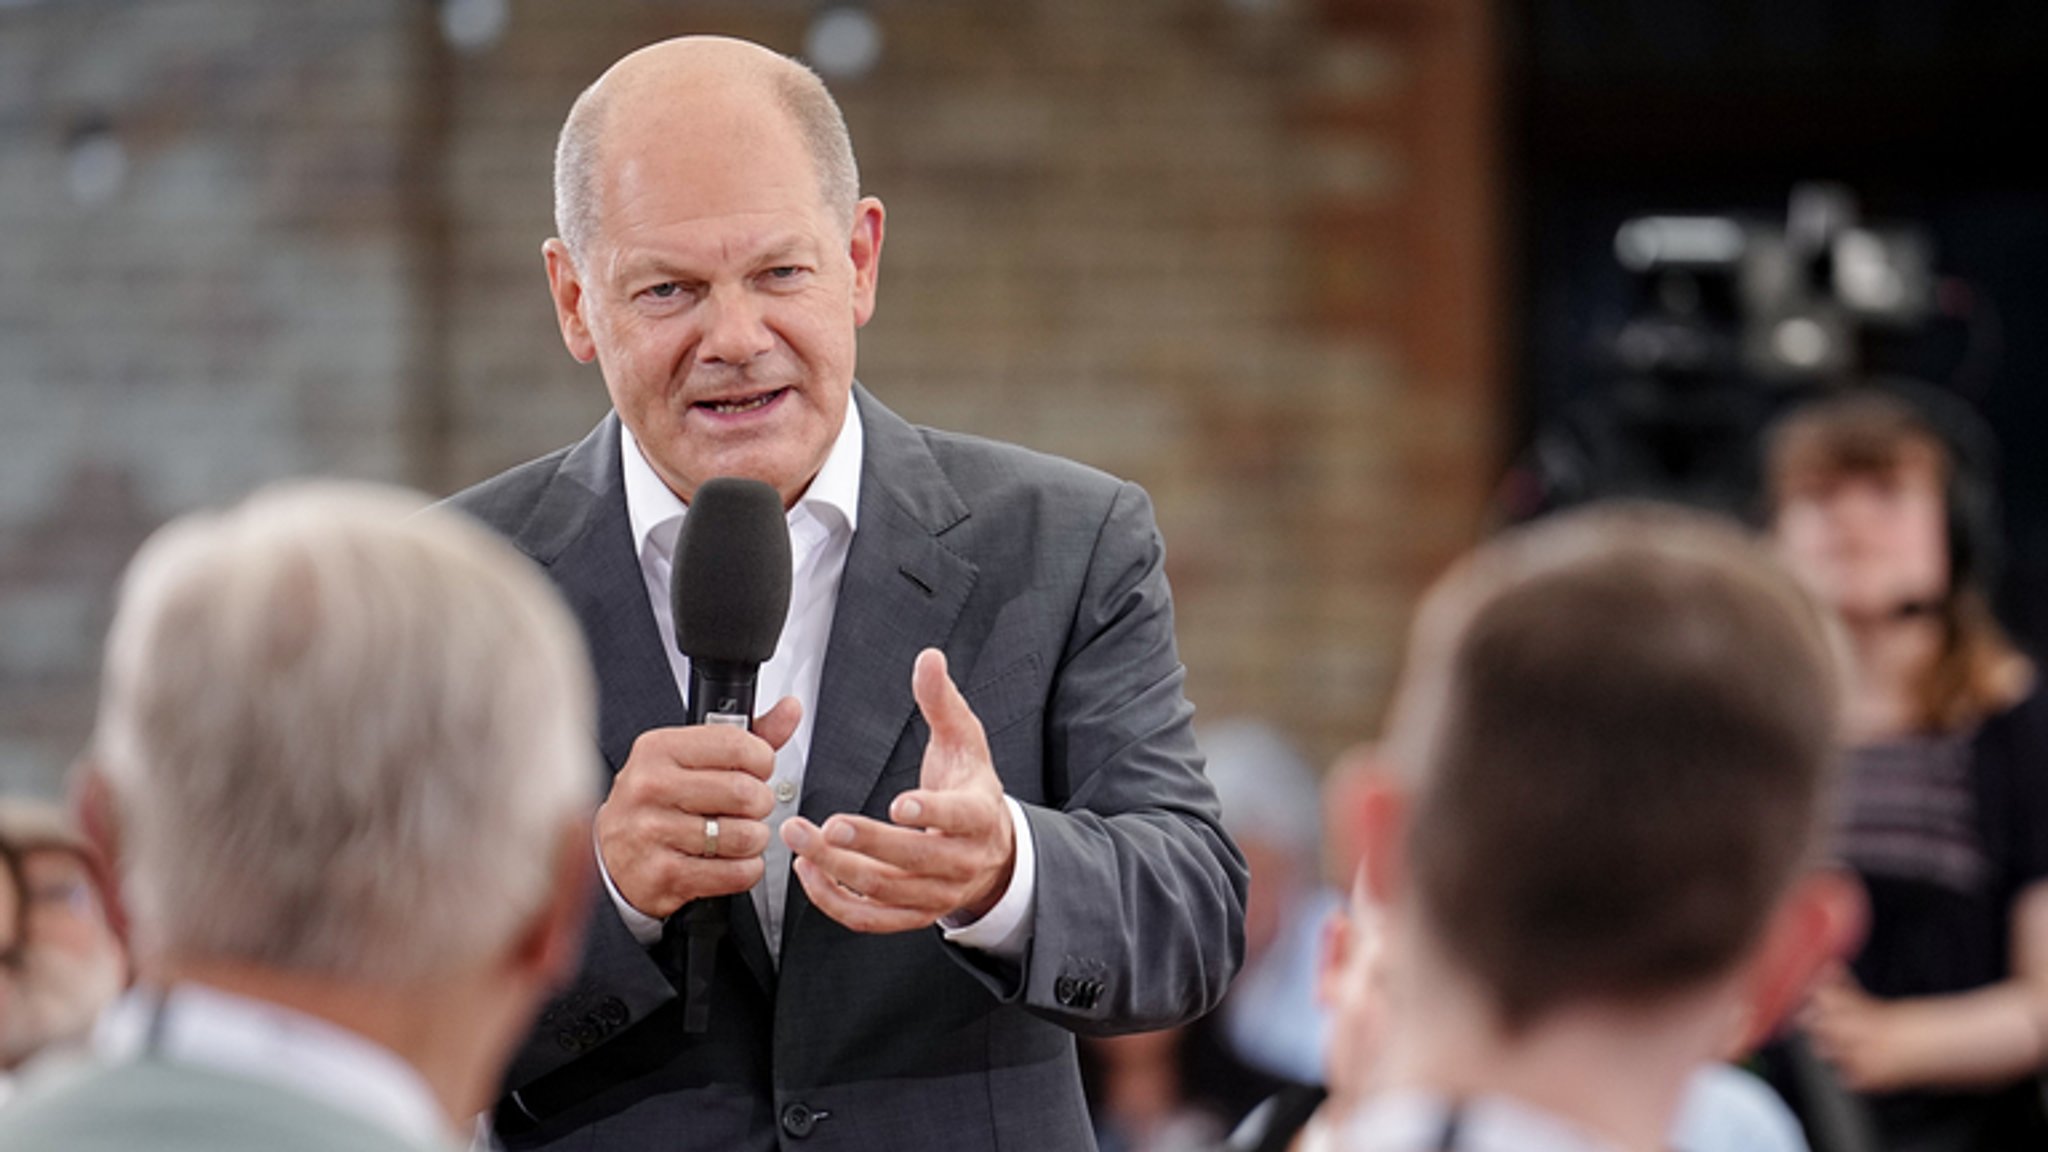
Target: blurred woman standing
<point>1941,1021</point>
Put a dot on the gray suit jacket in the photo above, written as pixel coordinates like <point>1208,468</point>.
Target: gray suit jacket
<point>156,1106</point>
<point>1042,582</point>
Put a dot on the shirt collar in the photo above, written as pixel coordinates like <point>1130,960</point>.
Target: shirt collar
<point>1405,1120</point>
<point>260,1040</point>
<point>834,493</point>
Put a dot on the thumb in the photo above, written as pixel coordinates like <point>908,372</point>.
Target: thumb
<point>778,724</point>
<point>955,728</point>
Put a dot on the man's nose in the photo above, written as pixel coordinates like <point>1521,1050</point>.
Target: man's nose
<point>735,328</point>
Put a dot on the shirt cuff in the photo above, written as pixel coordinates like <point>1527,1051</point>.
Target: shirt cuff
<point>1006,928</point>
<point>646,929</point>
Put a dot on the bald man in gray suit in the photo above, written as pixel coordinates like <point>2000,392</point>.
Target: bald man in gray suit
<point>976,821</point>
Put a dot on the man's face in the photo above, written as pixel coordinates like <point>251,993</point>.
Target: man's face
<point>72,964</point>
<point>64,909</point>
<point>719,295</point>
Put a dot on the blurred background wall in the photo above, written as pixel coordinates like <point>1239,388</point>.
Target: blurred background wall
<point>1240,251</point>
<point>1328,277</point>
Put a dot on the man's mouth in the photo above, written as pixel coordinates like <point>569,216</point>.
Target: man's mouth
<point>736,405</point>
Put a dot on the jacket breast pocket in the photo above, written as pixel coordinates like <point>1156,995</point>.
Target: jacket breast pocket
<point>1010,705</point>
<point>1008,698</point>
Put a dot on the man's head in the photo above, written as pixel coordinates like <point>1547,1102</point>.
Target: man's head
<point>1614,730</point>
<point>715,258</point>
<point>344,740</point>
<point>72,961</point>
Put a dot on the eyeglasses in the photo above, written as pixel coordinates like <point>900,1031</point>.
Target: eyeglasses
<point>74,893</point>
<point>14,929</point>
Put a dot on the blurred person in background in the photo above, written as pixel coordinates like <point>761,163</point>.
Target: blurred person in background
<point>12,925</point>
<point>1590,855</point>
<point>342,766</point>
<point>1142,1096</point>
<point>72,962</point>
<point>1725,1109</point>
<point>1272,808</point>
<point>1941,1020</point>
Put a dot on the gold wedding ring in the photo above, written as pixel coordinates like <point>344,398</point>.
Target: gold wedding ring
<point>711,837</point>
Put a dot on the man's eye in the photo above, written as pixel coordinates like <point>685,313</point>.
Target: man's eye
<point>785,272</point>
<point>665,291</point>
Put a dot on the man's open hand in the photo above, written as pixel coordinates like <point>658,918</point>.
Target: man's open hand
<point>949,849</point>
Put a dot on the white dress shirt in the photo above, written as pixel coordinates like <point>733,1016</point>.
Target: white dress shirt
<point>203,1027</point>
<point>821,528</point>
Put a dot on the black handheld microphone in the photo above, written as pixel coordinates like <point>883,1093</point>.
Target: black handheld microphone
<point>728,592</point>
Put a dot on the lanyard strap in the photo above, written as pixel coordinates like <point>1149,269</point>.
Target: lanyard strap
<point>159,1016</point>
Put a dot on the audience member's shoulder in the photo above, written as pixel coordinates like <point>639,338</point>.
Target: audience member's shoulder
<point>1726,1109</point>
<point>173,1108</point>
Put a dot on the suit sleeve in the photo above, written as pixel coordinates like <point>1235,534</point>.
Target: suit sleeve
<point>618,984</point>
<point>1140,901</point>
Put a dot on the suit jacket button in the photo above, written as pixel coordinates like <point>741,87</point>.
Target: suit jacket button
<point>1066,990</point>
<point>798,1120</point>
<point>567,1040</point>
<point>612,1012</point>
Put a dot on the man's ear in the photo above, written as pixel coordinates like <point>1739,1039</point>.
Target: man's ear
<point>865,248</point>
<point>1333,949</point>
<point>1821,921</point>
<point>565,284</point>
<point>1382,814</point>
<point>99,822</point>
<point>548,949</point>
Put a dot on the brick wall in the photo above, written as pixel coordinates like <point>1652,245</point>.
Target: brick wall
<point>1236,250</point>
<point>228,310</point>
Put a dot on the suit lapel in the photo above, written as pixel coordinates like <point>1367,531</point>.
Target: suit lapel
<point>580,532</point>
<point>901,592</point>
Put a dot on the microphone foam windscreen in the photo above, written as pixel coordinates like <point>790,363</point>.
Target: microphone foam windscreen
<point>729,585</point>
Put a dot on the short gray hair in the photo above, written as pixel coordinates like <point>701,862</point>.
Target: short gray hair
<point>804,98</point>
<point>341,734</point>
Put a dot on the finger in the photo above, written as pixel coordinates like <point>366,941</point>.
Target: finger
<point>778,724</point>
<point>705,746</point>
<point>702,792</point>
<point>683,878</point>
<point>720,877</point>
<point>738,839</point>
<point>912,851</point>
<point>855,912</point>
<point>956,731</point>
<point>969,814</point>
<point>933,890</point>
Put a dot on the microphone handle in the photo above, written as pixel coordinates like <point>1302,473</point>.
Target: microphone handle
<point>720,693</point>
